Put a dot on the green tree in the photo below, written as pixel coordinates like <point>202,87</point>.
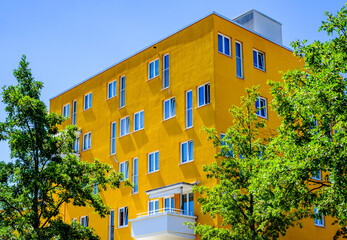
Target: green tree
<point>44,173</point>
<point>312,104</point>
<point>245,209</point>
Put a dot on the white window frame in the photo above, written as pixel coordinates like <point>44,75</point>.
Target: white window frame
<point>154,62</point>
<point>170,208</point>
<point>189,109</point>
<point>121,92</point>
<point>135,175</point>
<point>154,210</point>
<point>111,226</point>
<point>86,221</point>
<point>188,151</point>
<point>127,126</point>
<point>112,89</point>
<point>239,59</point>
<point>318,222</point>
<point>66,110</point>
<point>188,208</point>
<point>166,70</point>
<point>319,176</point>
<point>76,145</point>
<point>139,120</point>
<point>155,168</point>
<point>205,90</point>
<point>74,112</point>
<point>257,59</point>
<point>126,211</point>
<point>74,220</point>
<point>172,111</point>
<point>258,113</point>
<point>223,45</point>
<point>124,168</point>
<point>88,101</point>
<point>113,138</point>
<point>87,137</point>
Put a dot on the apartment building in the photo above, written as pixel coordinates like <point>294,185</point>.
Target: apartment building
<point>144,117</point>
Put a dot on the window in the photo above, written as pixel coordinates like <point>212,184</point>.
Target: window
<point>111,226</point>
<point>84,221</point>
<point>224,44</point>
<point>124,126</point>
<point>153,162</point>
<point>261,105</point>
<point>169,204</point>
<point>124,168</point>
<point>76,145</point>
<point>138,121</point>
<point>113,138</point>
<point>66,110</point>
<point>187,151</point>
<point>239,61</point>
<point>188,204</point>
<point>122,92</point>
<point>319,218</point>
<point>95,188</point>
<point>204,95</point>
<point>135,175</point>
<point>317,175</point>
<point>87,139</point>
<point>123,217</point>
<point>189,109</point>
<point>226,153</point>
<point>153,207</point>
<point>74,219</point>
<point>169,108</point>
<point>112,89</point>
<point>153,69</point>
<point>74,112</point>
<point>87,101</point>
<point>166,81</point>
<point>258,60</point>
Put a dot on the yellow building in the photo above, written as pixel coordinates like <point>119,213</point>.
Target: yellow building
<point>144,117</point>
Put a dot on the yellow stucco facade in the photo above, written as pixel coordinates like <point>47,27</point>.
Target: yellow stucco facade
<point>194,60</point>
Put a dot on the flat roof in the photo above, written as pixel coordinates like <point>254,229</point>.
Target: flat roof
<point>151,45</point>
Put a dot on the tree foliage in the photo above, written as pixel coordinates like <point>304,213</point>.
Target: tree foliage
<point>247,211</point>
<point>312,104</point>
<point>44,173</point>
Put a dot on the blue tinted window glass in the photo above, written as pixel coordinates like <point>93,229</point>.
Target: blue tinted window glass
<point>238,50</point>
<point>184,152</point>
<point>220,43</point>
<point>190,145</point>
<point>157,161</point>
<point>173,108</point>
<point>201,96</point>
<point>226,46</point>
<point>166,109</point>
<point>190,118</point>
<point>255,59</point>
<point>191,204</point>
<point>156,67</point>
<point>151,163</point>
<point>142,119</point>
<point>189,100</point>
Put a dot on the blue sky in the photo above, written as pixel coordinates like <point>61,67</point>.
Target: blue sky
<point>67,41</point>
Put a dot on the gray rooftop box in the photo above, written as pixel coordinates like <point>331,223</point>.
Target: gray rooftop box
<point>261,24</point>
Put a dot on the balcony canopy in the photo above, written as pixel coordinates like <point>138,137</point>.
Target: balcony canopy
<point>181,187</point>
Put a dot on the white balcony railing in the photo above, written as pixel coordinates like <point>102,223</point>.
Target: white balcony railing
<point>165,223</point>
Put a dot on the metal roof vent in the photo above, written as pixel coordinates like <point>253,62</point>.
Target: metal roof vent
<point>262,24</point>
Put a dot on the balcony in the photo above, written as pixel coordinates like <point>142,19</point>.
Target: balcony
<point>165,224</point>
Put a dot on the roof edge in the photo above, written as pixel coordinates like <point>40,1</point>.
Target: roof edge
<point>167,36</point>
